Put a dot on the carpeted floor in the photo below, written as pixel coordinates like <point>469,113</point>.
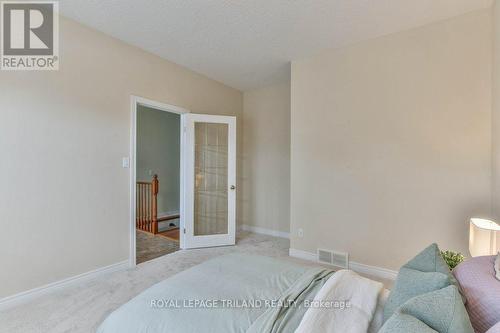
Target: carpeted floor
<point>81,308</point>
<point>151,246</point>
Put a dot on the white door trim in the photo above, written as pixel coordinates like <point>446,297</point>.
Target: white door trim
<point>134,101</point>
<point>190,240</point>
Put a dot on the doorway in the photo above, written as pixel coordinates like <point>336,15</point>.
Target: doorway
<point>183,180</point>
<point>156,180</point>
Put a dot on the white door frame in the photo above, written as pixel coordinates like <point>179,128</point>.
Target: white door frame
<point>134,102</point>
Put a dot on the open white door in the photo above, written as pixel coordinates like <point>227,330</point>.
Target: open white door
<point>209,180</point>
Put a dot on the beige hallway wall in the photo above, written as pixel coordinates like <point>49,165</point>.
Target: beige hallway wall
<point>266,149</point>
<point>391,142</point>
<point>64,199</point>
<point>158,153</point>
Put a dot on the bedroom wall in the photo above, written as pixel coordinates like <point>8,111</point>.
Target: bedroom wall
<point>496,112</point>
<point>63,188</point>
<point>266,156</point>
<point>158,152</point>
<point>391,142</point>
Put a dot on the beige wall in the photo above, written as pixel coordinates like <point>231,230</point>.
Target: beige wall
<point>496,111</point>
<point>266,148</point>
<point>158,152</point>
<point>391,142</point>
<point>64,198</point>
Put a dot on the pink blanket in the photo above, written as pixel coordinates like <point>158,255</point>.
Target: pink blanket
<point>482,290</point>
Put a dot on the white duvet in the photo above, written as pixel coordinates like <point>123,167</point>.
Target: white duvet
<point>361,315</point>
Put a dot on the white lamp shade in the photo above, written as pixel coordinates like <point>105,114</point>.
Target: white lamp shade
<point>483,237</point>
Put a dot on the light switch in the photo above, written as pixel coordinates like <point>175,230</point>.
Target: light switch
<point>125,162</point>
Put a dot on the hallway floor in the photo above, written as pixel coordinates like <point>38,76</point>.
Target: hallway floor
<point>153,246</point>
<point>172,234</point>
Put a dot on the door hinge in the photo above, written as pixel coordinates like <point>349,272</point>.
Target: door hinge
<point>184,230</point>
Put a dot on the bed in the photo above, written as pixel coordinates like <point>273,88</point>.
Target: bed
<point>247,293</point>
<point>255,294</point>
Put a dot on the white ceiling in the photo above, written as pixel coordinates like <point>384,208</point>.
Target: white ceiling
<point>250,43</point>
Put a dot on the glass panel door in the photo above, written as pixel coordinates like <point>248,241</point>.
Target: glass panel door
<point>210,180</point>
<point>210,172</point>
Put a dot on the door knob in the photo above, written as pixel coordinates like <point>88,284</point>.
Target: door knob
<point>233,187</point>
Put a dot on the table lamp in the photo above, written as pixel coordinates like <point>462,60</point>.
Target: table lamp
<point>484,237</point>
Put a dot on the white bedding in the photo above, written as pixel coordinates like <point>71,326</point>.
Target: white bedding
<point>364,313</point>
<point>378,317</point>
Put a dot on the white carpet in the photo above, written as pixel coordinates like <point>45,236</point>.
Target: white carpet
<point>82,308</point>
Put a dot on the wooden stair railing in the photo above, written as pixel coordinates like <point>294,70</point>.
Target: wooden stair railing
<point>146,207</point>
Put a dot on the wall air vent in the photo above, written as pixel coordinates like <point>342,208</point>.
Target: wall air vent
<point>333,258</point>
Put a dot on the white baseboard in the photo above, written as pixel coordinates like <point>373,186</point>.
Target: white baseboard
<point>304,255</point>
<point>26,296</point>
<point>378,272</point>
<point>265,231</point>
